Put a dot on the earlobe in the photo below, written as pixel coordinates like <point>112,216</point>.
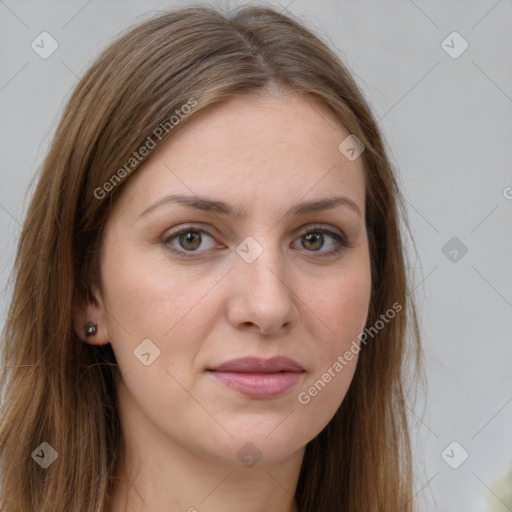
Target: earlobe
<point>89,321</point>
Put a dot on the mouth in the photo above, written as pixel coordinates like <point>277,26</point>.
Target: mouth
<point>259,378</point>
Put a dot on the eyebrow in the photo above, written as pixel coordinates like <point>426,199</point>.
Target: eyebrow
<point>223,208</point>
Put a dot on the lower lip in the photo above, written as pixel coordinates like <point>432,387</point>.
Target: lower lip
<point>258,385</point>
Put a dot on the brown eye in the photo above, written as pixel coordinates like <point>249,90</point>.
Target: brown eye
<point>190,240</point>
<point>313,241</point>
<point>323,241</point>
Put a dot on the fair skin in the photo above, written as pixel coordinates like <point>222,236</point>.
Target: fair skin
<point>184,428</point>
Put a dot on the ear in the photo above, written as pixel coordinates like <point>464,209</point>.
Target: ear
<point>91,309</point>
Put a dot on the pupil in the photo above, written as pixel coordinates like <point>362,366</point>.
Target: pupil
<point>316,240</point>
<point>188,240</point>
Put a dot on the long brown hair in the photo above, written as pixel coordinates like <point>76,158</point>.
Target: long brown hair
<point>62,391</point>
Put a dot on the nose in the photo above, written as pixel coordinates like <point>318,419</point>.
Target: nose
<point>262,297</point>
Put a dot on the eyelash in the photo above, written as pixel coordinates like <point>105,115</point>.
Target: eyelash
<point>340,240</point>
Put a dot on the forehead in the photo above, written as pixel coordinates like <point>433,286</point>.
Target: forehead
<point>280,148</point>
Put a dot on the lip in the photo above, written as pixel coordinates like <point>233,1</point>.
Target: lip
<point>259,378</point>
<point>259,365</point>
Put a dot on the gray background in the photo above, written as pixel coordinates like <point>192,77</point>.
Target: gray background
<point>448,124</point>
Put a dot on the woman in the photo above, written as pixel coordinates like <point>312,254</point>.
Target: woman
<point>210,301</point>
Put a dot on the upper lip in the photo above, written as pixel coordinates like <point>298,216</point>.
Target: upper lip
<point>259,365</point>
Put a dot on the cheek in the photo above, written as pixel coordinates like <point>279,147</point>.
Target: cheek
<point>339,315</point>
<point>346,306</point>
<point>144,293</point>
<point>147,299</point>
<point>342,303</point>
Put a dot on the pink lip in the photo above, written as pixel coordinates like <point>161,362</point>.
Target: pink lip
<point>259,378</point>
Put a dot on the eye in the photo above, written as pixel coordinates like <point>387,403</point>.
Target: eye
<point>318,238</point>
<point>188,240</point>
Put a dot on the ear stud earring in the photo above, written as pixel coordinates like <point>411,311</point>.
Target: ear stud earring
<point>90,329</point>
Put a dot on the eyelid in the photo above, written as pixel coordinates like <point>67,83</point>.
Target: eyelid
<point>322,228</point>
<point>204,228</point>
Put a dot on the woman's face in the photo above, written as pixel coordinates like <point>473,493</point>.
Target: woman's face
<point>247,261</point>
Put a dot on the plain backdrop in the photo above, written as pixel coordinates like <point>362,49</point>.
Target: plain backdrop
<point>446,115</point>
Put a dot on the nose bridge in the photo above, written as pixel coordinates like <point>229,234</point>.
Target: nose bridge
<point>260,266</point>
<point>264,297</point>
